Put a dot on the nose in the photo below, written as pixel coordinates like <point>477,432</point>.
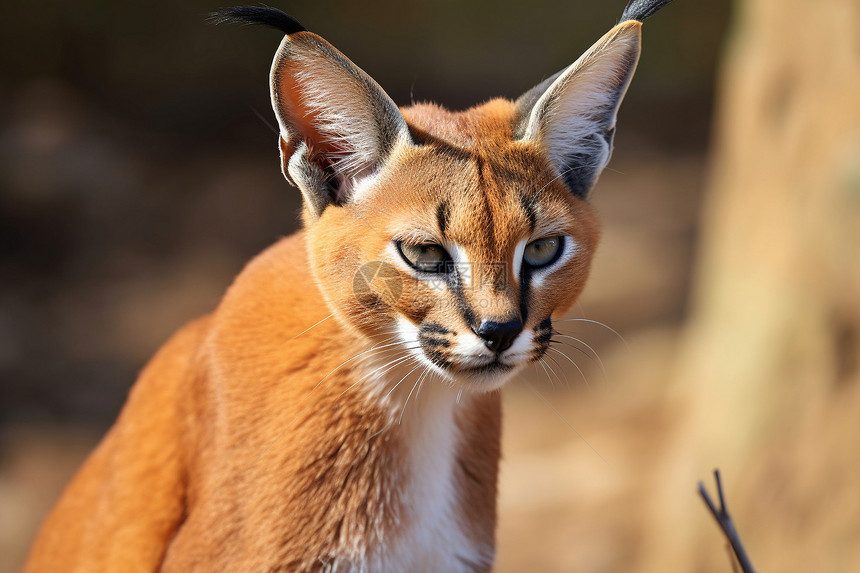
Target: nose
<point>498,336</point>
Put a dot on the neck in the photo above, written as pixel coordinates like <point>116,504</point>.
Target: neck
<point>448,454</point>
<point>309,449</point>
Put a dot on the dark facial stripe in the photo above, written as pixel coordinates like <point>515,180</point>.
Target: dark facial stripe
<point>455,283</point>
<point>490,220</point>
<point>433,342</point>
<point>529,207</point>
<point>479,163</point>
<point>543,332</point>
<point>525,287</point>
<point>438,357</point>
<point>442,217</point>
<point>433,327</point>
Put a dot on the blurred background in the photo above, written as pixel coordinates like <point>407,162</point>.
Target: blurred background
<point>139,171</point>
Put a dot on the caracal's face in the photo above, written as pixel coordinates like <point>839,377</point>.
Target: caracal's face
<point>461,249</point>
<point>453,237</point>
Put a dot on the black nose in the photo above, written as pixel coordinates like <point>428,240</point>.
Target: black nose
<point>498,336</point>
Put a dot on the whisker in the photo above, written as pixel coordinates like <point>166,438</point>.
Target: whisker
<point>388,367</point>
<point>314,402</point>
<point>265,121</point>
<point>575,365</point>
<point>606,326</point>
<point>312,326</point>
<point>596,355</point>
<point>548,377</point>
<point>573,346</point>
<point>359,355</point>
<point>401,380</point>
<point>566,380</point>
<point>406,403</point>
<point>429,373</point>
<point>557,377</point>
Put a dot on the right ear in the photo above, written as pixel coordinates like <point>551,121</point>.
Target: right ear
<point>337,125</point>
<point>571,115</point>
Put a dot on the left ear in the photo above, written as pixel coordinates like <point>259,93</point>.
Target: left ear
<point>572,114</point>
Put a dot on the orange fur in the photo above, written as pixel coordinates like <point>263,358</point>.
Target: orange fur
<point>269,436</point>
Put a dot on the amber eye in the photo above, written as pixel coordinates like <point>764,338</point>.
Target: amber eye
<point>543,252</point>
<point>426,257</point>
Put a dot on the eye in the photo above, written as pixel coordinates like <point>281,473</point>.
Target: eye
<point>543,252</point>
<point>425,257</point>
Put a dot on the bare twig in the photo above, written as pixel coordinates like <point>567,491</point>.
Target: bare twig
<point>726,524</point>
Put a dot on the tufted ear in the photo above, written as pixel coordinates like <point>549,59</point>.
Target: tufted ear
<point>572,114</point>
<point>337,126</point>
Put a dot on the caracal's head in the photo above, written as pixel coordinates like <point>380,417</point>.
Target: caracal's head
<point>456,235</point>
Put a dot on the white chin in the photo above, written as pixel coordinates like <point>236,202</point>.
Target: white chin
<point>485,379</point>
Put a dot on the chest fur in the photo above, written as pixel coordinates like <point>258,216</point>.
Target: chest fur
<point>432,533</point>
<point>303,475</point>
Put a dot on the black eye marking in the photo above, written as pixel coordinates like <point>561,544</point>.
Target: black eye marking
<point>455,283</point>
<point>543,337</point>
<point>544,330</point>
<point>431,337</point>
<point>433,327</point>
<point>427,341</point>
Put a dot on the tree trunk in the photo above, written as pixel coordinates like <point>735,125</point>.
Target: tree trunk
<point>769,370</point>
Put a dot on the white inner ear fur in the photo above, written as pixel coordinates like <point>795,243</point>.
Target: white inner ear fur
<point>583,102</point>
<point>350,110</point>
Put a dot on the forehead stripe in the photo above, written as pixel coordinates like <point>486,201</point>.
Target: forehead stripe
<point>442,217</point>
<point>489,218</point>
<point>529,207</point>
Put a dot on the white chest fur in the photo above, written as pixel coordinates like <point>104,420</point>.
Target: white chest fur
<point>430,536</point>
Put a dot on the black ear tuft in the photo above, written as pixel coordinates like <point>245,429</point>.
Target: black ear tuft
<point>641,9</point>
<point>264,15</point>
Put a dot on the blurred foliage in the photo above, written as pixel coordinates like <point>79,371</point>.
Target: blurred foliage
<point>138,172</point>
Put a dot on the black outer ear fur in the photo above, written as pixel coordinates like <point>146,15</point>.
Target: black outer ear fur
<point>639,10</point>
<point>262,15</point>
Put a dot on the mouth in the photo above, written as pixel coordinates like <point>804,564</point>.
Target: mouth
<point>492,368</point>
<point>464,358</point>
<point>484,378</point>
